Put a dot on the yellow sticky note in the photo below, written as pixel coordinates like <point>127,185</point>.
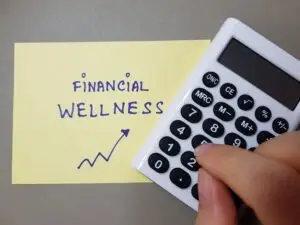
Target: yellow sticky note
<point>83,110</point>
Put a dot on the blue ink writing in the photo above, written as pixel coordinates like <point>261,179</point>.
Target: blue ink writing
<point>127,86</point>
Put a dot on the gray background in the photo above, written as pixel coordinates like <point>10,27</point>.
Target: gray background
<point>98,20</point>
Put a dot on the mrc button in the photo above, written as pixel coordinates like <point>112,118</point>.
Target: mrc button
<point>202,97</point>
<point>211,79</point>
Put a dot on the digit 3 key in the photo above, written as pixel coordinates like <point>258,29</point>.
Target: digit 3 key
<point>243,92</point>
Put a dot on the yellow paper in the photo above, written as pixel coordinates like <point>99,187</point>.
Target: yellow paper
<point>48,146</point>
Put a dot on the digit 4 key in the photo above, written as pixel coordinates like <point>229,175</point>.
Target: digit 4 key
<point>243,92</point>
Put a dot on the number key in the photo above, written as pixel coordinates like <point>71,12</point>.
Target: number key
<point>158,162</point>
<point>213,128</point>
<point>189,161</point>
<point>191,113</point>
<point>200,140</point>
<point>180,130</point>
<point>169,146</point>
<point>235,140</point>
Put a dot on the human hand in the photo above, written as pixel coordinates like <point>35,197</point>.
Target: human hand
<point>267,180</point>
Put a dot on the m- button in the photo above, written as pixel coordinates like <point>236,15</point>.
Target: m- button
<point>202,97</point>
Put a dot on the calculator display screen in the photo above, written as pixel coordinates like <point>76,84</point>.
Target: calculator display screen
<point>260,72</point>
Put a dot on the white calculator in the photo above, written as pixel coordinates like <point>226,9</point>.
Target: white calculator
<point>244,91</point>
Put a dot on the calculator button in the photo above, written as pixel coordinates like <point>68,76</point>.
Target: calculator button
<point>246,126</point>
<point>180,178</point>
<point>158,163</point>
<point>235,140</point>
<point>200,140</point>
<point>191,113</point>
<point>213,128</point>
<point>280,125</point>
<point>189,161</point>
<point>245,102</point>
<point>252,149</point>
<point>228,91</point>
<point>195,191</point>
<point>224,111</point>
<point>211,79</point>
<point>263,114</point>
<point>264,136</point>
<point>202,97</point>
<point>180,130</point>
<point>169,146</point>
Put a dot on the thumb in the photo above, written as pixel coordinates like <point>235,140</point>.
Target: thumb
<point>216,206</point>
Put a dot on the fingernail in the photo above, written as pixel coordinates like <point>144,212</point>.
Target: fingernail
<point>205,189</point>
<point>203,148</point>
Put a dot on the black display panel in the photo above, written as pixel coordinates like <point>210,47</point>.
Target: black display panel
<point>260,72</point>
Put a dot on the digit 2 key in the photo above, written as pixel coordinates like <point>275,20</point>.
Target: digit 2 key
<point>243,92</point>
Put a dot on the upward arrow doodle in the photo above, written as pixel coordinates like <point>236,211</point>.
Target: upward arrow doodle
<point>124,132</point>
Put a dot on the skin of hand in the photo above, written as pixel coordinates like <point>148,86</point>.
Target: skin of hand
<point>267,180</point>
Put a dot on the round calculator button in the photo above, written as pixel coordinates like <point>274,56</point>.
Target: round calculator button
<point>252,149</point>
<point>194,191</point>
<point>169,146</point>
<point>245,102</point>
<point>202,97</point>
<point>263,114</point>
<point>246,126</point>
<point>191,113</point>
<point>180,129</point>
<point>264,136</point>
<point>200,140</point>
<point>213,128</point>
<point>189,161</point>
<point>211,79</point>
<point>158,163</point>
<point>280,125</point>
<point>180,178</point>
<point>224,111</point>
<point>228,91</point>
<point>235,140</point>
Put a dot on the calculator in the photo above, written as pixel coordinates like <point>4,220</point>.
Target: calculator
<point>244,91</point>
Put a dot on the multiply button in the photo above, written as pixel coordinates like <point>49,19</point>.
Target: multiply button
<point>245,102</point>
<point>180,129</point>
<point>202,97</point>
<point>228,91</point>
<point>169,146</point>
<point>280,125</point>
<point>191,113</point>
<point>180,178</point>
<point>264,136</point>
<point>263,114</point>
<point>158,163</point>
<point>235,140</point>
<point>246,126</point>
<point>200,140</point>
<point>189,161</point>
<point>210,79</point>
<point>213,128</point>
<point>224,111</point>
